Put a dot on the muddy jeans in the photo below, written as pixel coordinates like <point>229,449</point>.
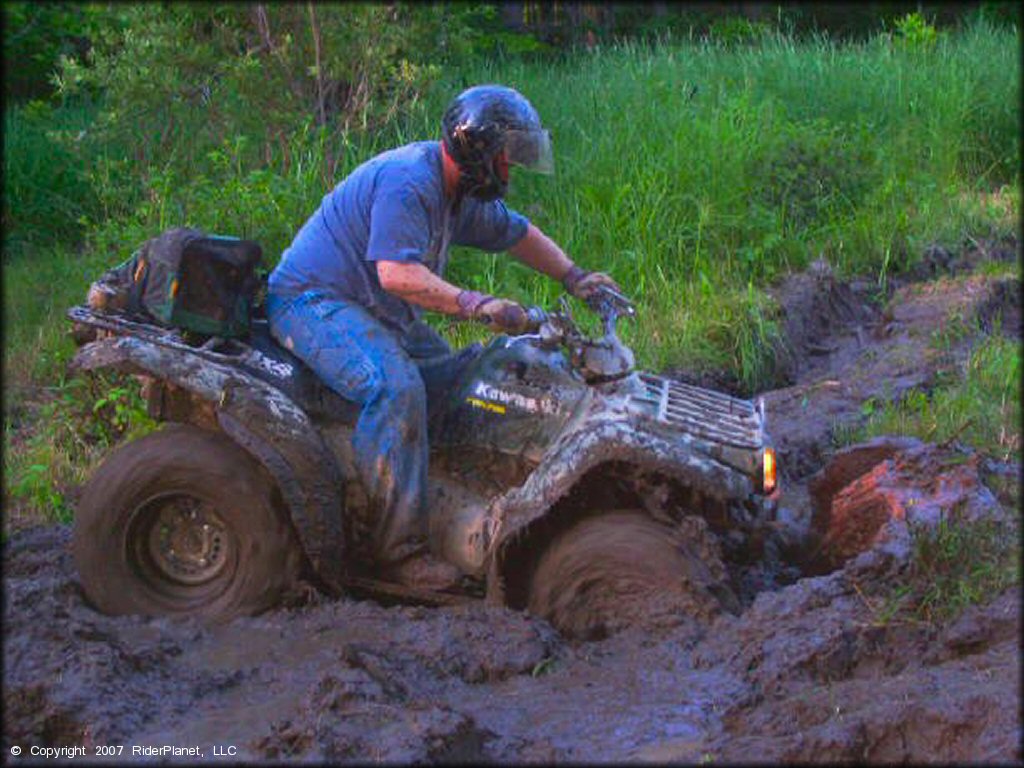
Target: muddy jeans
<point>389,376</point>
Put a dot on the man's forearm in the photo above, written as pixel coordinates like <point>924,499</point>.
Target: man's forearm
<point>540,252</point>
<point>416,284</point>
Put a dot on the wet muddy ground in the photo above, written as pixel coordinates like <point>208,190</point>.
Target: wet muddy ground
<point>804,673</point>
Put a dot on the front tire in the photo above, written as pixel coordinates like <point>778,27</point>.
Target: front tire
<point>183,522</point>
<point>620,569</point>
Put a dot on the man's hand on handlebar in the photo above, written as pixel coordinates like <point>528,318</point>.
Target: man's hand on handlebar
<point>496,314</point>
<point>582,284</point>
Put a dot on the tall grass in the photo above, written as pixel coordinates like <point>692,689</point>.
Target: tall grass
<point>47,196</point>
<point>689,171</point>
<point>981,407</point>
<point>695,172</point>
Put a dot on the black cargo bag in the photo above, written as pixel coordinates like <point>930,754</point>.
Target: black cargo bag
<point>193,281</point>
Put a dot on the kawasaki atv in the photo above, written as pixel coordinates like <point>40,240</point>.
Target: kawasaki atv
<point>562,481</point>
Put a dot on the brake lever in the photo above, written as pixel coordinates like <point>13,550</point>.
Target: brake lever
<point>619,303</point>
<point>605,298</point>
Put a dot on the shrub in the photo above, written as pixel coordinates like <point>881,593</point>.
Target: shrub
<point>812,170</point>
<point>914,32</point>
<point>47,193</point>
<point>36,35</point>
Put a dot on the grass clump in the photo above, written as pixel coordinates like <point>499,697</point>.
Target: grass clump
<point>953,566</point>
<point>981,409</point>
<point>956,565</point>
<point>51,447</point>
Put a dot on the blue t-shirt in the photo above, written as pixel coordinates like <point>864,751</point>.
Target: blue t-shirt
<point>390,208</point>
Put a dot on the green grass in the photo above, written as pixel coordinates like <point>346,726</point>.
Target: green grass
<point>695,173</point>
<point>689,171</point>
<point>47,196</point>
<point>36,294</point>
<point>53,442</point>
<point>981,408</point>
<point>953,566</point>
<point>958,565</point>
<point>785,151</point>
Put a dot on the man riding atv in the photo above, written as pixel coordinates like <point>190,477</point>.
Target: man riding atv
<point>562,480</point>
<point>347,294</point>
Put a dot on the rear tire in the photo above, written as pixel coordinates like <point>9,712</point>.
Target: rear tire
<point>622,568</point>
<point>183,521</point>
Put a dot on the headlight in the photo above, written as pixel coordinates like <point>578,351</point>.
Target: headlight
<point>769,468</point>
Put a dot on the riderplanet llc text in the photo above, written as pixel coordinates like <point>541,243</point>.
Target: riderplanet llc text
<point>119,750</point>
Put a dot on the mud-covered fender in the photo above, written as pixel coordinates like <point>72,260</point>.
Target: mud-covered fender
<point>567,460</point>
<point>265,422</point>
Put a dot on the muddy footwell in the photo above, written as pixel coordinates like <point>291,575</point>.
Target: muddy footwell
<point>804,671</point>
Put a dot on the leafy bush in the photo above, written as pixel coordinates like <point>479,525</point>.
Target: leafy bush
<point>201,74</point>
<point>914,32</point>
<point>81,420</point>
<point>36,35</point>
<point>735,30</point>
<point>813,170</point>
<point>47,193</point>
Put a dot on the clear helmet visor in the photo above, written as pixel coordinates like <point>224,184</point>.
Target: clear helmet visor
<point>530,149</point>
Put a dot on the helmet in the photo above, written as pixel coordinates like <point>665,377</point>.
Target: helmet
<point>480,123</point>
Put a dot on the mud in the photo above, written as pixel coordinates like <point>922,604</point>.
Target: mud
<point>847,350</point>
<point>803,672</point>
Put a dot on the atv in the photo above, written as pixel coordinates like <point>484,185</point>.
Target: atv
<point>562,480</point>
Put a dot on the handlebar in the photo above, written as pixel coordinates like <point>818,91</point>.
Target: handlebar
<point>535,318</point>
<point>605,301</point>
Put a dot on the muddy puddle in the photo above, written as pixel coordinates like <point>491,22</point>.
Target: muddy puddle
<point>805,672</point>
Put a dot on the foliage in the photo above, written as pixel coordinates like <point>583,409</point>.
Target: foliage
<point>735,30</point>
<point>914,32</point>
<point>79,422</point>
<point>36,36</point>
<point>982,409</point>
<point>184,78</point>
<point>47,195</point>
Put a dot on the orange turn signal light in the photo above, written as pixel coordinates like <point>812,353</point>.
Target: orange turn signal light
<point>769,465</point>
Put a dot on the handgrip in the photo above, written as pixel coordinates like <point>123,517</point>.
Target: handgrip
<point>535,318</point>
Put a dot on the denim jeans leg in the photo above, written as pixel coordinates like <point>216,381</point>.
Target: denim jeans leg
<point>439,366</point>
<point>364,362</point>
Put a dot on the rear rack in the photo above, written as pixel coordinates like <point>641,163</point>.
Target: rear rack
<point>215,348</point>
<point>702,412</point>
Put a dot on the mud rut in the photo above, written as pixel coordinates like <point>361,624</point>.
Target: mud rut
<point>801,673</point>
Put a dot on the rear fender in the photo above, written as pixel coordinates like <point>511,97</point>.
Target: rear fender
<point>265,422</point>
<point>579,452</point>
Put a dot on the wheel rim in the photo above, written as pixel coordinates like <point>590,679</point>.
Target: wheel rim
<point>181,547</point>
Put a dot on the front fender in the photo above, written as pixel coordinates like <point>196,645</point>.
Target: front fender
<point>265,422</point>
<point>596,442</point>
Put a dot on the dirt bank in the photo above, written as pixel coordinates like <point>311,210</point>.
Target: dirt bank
<point>806,672</point>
